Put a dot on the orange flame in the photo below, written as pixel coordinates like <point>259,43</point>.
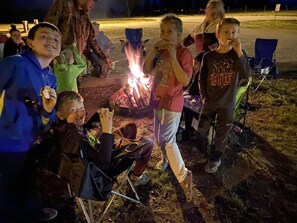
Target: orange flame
<point>135,65</point>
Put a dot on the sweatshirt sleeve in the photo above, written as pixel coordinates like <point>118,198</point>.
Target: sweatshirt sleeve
<point>105,150</point>
<point>94,45</point>
<point>244,67</point>
<point>68,139</point>
<point>78,59</point>
<point>202,82</point>
<point>6,73</point>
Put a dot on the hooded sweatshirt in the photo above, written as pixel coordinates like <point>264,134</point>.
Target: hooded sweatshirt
<point>21,110</point>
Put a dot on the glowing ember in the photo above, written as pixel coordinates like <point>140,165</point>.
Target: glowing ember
<point>136,92</point>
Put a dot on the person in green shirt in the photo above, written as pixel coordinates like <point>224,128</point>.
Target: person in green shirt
<point>67,67</point>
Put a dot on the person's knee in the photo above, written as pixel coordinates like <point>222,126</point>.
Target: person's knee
<point>148,145</point>
<point>171,147</point>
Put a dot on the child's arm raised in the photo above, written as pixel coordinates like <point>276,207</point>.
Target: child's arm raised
<point>106,120</point>
<point>148,65</point>
<point>49,98</point>
<point>236,43</point>
<point>180,74</point>
<point>77,58</point>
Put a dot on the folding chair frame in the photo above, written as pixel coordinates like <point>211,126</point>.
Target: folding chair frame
<point>263,63</point>
<point>89,216</point>
<point>240,114</point>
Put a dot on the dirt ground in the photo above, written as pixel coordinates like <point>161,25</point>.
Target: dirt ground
<point>256,183</point>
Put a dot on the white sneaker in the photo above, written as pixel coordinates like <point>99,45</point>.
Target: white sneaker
<point>212,166</point>
<point>141,180</point>
<point>162,164</point>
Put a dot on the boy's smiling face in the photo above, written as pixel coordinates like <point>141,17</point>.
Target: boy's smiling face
<point>46,43</point>
<point>73,111</point>
<point>169,33</point>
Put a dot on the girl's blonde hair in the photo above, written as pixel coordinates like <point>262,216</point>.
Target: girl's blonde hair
<point>218,6</point>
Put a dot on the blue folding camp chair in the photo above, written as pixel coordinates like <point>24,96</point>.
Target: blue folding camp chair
<point>134,41</point>
<point>263,63</point>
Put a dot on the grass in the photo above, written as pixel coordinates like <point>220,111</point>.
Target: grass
<point>125,20</point>
<point>265,13</point>
<point>256,184</point>
<point>271,24</point>
<point>253,185</point>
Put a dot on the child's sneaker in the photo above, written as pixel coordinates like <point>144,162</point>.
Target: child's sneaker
<point>44,214</point>
<point>162,165</point>
<point>212,166</point>
<point>187,185</point>
<point>141,180</point>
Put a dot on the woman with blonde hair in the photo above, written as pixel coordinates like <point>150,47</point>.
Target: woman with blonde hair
<point>204,34</point>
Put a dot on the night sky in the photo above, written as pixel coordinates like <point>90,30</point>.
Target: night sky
<point>18,10</point>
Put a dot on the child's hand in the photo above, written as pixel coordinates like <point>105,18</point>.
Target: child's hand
<point>106,119</point>
<point>162,44</point>
<point>18,41</point>
<point>21,43</point>
<point>236,44</point>
<point>49,98</point>
<point>166,45</point>
<point>213,46</point>
<point>109,62</point>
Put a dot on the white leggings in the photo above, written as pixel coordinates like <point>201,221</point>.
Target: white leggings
<point>166,126</point>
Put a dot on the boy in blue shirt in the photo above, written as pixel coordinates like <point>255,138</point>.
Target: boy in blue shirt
<point>27,101</point>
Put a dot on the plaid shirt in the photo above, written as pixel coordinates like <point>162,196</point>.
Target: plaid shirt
<point>75,25</point>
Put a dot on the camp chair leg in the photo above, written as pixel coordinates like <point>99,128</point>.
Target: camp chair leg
<point>106,208</point>
<point>262,80</point>
<point>235,139</point>
<point>111,200</point>
<point>126,197</point>
<point>69,190</point>
<point>114,193</point>
<point>91,210</point>
<point>133,189</point>
<point>84,210</point>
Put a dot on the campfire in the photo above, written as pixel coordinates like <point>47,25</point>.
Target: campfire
<point>135,94</point>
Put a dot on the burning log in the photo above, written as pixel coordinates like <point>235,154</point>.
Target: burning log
<point>142,95</point>
<point>137,98</point>
<point>130,97</point>
<point>135,94</point>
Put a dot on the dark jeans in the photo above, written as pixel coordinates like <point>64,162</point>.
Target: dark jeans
<point>95,60</point>
<point>223,125</point>
<point>130,150</point>
<point>188,116</point>
<point>16,187</point>
<point>138,150</point>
